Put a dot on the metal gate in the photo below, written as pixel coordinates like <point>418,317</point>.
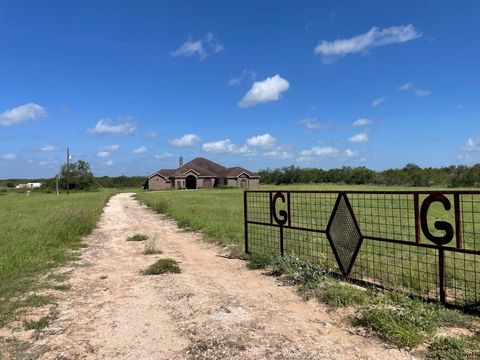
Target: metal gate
<point>424,243</point>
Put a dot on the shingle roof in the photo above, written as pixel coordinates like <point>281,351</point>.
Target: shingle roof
<point>235,171</point>
<point>163,172</point>
<point>202,166</point>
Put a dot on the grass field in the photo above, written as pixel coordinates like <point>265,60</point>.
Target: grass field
<point>36,233</point>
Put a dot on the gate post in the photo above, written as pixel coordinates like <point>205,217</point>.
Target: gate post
<point>245,221</point>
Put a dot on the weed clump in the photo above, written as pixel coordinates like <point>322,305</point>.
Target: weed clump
<point>137,237</point>
<point>163,266</point>
<point>35,325</point>
<point>151,247</point>
<point>447,348</point>
<point>298,272</point>
<point>336,294</point>
<point>259,261</point>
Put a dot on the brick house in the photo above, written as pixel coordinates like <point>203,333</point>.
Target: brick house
<point>201,173</point>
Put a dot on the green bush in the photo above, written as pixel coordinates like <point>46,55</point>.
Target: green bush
<point>163,266</point>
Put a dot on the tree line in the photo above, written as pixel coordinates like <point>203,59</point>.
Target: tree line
<point>409,175</point>
<point>80,177</point>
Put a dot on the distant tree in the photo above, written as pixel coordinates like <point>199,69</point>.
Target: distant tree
<point>80,177</point>
<point>10,184</point>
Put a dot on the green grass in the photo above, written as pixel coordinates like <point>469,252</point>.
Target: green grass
<point>454,348</point>
<point>406,322</point>
<point>447,348</point>
<point>338,294</point>
<point>64,287</point>
<point>259,261</point>
<point>137,237</point>
<point>217,213</point>
<point>36,234</point>
<point>35,325</point>
<point>163,266</point>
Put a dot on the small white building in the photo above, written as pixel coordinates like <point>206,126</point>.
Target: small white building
<point>28,186</point>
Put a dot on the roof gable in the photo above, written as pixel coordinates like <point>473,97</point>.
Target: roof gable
<point>236,171</point>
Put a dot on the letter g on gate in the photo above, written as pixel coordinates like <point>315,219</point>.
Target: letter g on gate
<point>282,217</point>
<point>439,225</point>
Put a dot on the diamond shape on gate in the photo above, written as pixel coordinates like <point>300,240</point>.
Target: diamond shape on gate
<point>344,234</point>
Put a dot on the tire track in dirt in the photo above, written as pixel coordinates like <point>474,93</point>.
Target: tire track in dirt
<point>214,309</point>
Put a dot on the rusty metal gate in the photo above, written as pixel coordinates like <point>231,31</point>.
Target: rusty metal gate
<point>425,243</point>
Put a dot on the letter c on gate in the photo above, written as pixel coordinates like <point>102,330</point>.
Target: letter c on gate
<point>282,220</point>
<point>439,225</point>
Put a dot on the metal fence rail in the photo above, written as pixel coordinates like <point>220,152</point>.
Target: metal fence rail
<point>425,243</point>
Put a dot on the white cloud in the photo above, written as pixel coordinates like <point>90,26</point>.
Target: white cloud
<point>471,149</point>
<point>351,153</point>
<point>164,155</point>
<point>250,74</point>
<point>109,162</point>
<point>221,146</point>
<point>152,134</point>
<point>278,154</point>
<point>48,148</point>
<point>103,154</point>
<point>191,48</point>
<point>107,150</point>
<point>10,157</point>
<point>422,93</point>
<point>199,48</point>
<point>226,146</point>
<point>21,114</point>
<point>186,140</point>
<point>322,151</point>
<point>308,155</point>
<point>311,123</point>
<point>267,90</point>
<point>110,148</point>
<point>140,150</point>
<point>405,86</point>
<point>361,122</point>
<point>124,126</point>
<point>360,137</point>
<point>377,102</point>
<point>264,140</point>
<point>375,37</point>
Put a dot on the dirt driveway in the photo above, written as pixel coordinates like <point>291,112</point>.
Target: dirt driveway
<point>214,309</point>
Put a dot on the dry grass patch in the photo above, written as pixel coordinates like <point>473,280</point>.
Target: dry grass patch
<point>151,247</point>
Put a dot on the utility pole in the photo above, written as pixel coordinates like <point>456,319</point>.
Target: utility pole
<point>68,171</point>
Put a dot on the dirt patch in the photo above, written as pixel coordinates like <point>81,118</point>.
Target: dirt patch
<point>214,309</point>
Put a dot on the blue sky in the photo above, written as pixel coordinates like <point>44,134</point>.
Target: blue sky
<point>131,85</point>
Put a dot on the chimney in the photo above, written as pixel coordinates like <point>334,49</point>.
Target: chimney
<point>180,161</point>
